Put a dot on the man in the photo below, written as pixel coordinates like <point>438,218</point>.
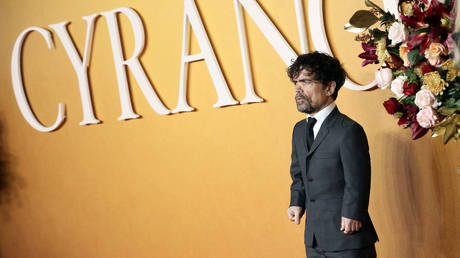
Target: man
<point>330,165</point>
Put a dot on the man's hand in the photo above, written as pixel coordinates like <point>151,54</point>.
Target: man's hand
<point>350,225</point>
<point>295,213</point>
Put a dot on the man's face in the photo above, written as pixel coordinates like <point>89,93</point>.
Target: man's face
<point>311,96</point>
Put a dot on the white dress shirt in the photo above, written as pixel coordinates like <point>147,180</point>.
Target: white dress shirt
<point>320,117</point>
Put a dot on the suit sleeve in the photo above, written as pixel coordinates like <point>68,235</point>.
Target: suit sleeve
<point>354,154</point>
<point>297,186</point>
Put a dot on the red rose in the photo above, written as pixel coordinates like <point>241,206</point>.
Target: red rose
<point>392,106</point>
<point>411,109</point>
<point>417,131</point>
<point>426,68</point>
<point>404,121</point>
<point>410,89</point>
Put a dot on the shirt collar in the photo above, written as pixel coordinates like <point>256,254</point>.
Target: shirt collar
<point>323,113</point>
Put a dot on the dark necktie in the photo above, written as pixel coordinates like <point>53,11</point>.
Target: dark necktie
<point>310,136</point>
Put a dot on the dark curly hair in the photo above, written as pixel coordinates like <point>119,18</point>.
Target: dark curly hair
<point>322,66</point>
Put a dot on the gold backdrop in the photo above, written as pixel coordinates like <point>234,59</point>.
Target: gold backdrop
<point>209,183</point>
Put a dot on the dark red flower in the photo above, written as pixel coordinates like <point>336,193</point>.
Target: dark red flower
<point>369,55</point>
<point>404,121</point>
<point>427,21</point>
<point>396,63</point>
<point>415,21</point>
<point>410,89</point>
<point>426,68</point>
<point>420,39</point>
<point>392,106</point>
<point>411,109</point>
<point>417,130</point>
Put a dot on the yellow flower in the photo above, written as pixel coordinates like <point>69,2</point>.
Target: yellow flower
<point>434,82</point>
<point>381,51</point>
<point>448,64</point>
<point>452,73</point>
<point>406,8</point>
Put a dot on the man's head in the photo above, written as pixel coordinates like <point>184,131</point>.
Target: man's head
<point>317,78</point>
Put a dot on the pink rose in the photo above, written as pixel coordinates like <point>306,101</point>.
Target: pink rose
<point>450,44</point>
<point>397,33</point>
<point>434,53</point>
<point>426,117</point>
<point>424,98</point>
<point>397,85</point>
<point>383,77</point>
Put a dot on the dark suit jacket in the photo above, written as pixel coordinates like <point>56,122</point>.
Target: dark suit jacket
<point>333,180</point>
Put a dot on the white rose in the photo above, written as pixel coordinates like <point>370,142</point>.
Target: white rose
<point>424,98</point>
<point>426,117</point>
<point>397,85</point>
<point>397,33</point>
<point>383,77</point>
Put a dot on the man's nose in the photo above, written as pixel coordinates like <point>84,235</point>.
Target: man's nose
<point>297,89</point>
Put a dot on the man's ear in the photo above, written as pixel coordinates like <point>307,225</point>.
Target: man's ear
<point>330,89</point>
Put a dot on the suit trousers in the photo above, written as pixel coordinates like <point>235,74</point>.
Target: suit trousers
<point>317,252</point>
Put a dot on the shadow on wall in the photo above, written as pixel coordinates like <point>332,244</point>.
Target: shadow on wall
<point>412,191</point>
<point>10,182</point>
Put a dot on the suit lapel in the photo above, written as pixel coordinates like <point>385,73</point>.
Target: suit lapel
<point>304,134</point>
<point>319,138</point>
<point>323,131</point>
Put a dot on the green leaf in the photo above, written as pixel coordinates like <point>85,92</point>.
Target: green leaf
<point>457,104</point>
<point>394,50</point>
<point>363,19</point>
<point>451,129</point>
<point>449,103</point>
<point>437,131</point>
<point>371,4</point>
<point>378,34</point>
<point>411,76</point>
<point>454,90</point>
<point>387,19</point>
<point>445,111</point>
<point>348,27</point>
<point>457,134</point>
<point>408,100</point>
<point>423,30</point>
<point>414,56</point>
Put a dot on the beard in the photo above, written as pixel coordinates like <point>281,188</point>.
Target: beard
<point>304,105</point>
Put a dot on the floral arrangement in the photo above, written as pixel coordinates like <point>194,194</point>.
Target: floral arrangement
<point>415,55</point>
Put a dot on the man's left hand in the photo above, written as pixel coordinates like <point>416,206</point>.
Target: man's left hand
<point>350,225</point>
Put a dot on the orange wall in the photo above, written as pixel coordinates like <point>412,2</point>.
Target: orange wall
<point>209,183</point>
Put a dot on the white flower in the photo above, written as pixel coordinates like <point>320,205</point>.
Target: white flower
<point>397,85</point>
<point>397,33</point>
<point>426,117</point>
<point>425,98</point>
<point>383,77</point>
